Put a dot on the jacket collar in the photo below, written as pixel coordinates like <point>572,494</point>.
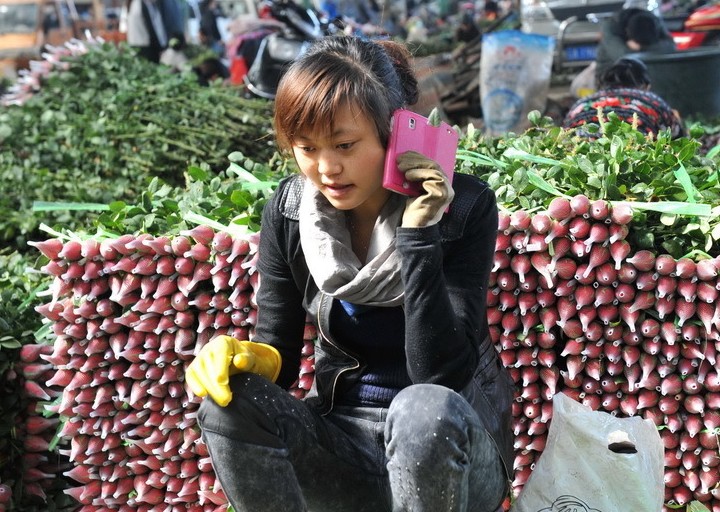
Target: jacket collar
<point>452,224</point>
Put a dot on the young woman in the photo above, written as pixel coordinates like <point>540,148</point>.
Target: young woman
<point>410,410</point>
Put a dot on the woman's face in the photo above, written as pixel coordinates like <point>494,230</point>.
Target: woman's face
<point>345,164</point>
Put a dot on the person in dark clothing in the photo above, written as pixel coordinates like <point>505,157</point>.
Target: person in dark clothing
<point>628,31</point>
<point>210,12</point>
<point>210,70</point>
<point>410,408</point>
<point>146,29</point>
<point>467,29</point>
<point>625,91</point>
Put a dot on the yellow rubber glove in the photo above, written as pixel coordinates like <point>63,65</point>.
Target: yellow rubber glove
<point>437,192</point>
<point>210,371</point>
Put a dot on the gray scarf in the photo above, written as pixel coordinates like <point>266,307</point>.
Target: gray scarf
<point>337,271</point>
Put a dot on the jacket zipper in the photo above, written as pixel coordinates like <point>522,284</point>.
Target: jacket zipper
<point>322,310</point>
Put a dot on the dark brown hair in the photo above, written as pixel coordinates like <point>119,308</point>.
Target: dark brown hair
<point>643,28</point>
<point>625,72</point>
<point>375,77</point>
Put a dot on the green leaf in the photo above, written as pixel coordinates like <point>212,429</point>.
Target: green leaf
<point>696,506</point>
<point>117,206</point>
<point>520,179</point>
<point>673,248</point>
<point>470,130</point>
<point>480,159</point>
<point>594,181</point>
<point>434,118</point>
<point>239,198</point>
<point>684,178</point>
<point>668,219</point>
<point>534,116</point>
<point>5,131</point>
<point>30,297</point>
<point>645,240</point>
<point>260,185</point>
<point>197,173</point>
<point>9,343</point>
<point>585,165</point>
<point>690,227</point>
<point>47,206</point>
<point>146,200</point>
<point>537,181</point>
<point>517,154</point>
<point>241,173</point>
<point>671,207</point>
<point>713,152</point>
<point>616,147</point>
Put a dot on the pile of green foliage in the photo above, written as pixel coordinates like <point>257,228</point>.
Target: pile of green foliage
<point>124,146</point>
<point>100,130</point>
<point>672,186</point>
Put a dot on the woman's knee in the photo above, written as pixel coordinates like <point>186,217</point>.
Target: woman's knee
<point>246,415</point>
<point>427,412</point>
<point>423,406</point>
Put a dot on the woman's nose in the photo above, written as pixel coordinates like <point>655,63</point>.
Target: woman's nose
<point>328,164</point>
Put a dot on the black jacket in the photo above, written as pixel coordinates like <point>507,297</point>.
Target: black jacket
<point>445,271</point>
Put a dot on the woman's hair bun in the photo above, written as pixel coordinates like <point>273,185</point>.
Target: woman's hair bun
<point>402,61</point>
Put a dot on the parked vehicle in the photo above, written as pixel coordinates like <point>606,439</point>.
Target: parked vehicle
<point>299,27</point>
<point>26,26</point>
<point>700,27</point>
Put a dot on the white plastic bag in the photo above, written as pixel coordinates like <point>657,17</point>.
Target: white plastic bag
<point>595,462</point>
<point>515,71</point>
<point>584,83</point>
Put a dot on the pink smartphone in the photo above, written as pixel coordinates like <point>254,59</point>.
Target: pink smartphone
<point>410,131</point>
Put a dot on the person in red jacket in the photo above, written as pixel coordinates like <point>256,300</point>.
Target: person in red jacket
<point>410,408</point>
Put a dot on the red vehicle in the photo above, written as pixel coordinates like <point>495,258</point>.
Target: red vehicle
<point>700,28</point>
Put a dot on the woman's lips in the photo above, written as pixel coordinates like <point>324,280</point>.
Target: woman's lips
<point>335,189</point>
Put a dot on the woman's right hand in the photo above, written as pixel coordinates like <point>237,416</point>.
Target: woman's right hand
<point>209,373</point>
<point>437,192</point>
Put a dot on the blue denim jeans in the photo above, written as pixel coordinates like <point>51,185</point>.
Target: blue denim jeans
<point>427,453</point>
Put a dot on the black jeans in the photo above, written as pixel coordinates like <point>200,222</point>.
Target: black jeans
<point>427,453</point>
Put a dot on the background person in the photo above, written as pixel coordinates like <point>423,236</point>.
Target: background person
<point>629,31</point>
<point>146,29</point>
<point>410,409</point>
<point>625,90</point>
<point>467,29</point>
<point>210,12</point>
<point>210,70</point>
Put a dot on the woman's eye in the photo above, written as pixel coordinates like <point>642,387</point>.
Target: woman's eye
<point>345,145</point>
